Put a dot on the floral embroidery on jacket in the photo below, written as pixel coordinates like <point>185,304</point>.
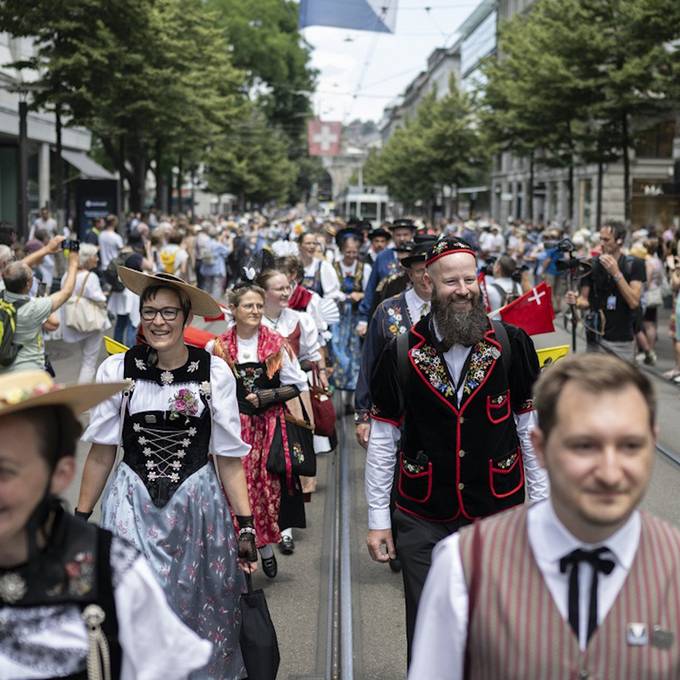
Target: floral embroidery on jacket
<point>430,363</point>
<point>483,356</point>
<point>249,374</point>
<point>394,321</point>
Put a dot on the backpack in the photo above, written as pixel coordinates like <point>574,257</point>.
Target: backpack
<point>110,274</point>
<point>8,326</point>
<point>507,298</point>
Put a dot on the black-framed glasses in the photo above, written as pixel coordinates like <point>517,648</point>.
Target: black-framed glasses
<point>167,313</point>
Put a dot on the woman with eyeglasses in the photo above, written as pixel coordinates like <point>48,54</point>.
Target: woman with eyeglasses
<point>178,425</point>
<point>268,375</point>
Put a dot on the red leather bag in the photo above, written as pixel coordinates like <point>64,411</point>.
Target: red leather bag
<point>322,407</point>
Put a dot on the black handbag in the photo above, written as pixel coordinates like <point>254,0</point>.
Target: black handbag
<point>300,458</point>
<point>259,644</point>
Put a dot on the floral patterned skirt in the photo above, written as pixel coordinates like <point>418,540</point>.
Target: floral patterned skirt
<point>264,489</point>
<point>191,546</point>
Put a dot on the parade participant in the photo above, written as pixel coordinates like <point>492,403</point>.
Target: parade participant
<point>304,300</point>
<point>378,240</point>
<point>345,344</point>
<point>460,388</point>
<point>612,292</point>
<point>393,317</point>
<point>299,329</point>
<point>165,495</point>
<point>386,263</point>
<point>319,275</point>
<point>267,375</point>
<point>595,583</point>
<point>74,599</point>
<point>504,287</point>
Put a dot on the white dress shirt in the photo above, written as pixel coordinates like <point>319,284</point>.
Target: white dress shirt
<point>329,279</point>
<point>417,307</point>
<point>381,455</point>
<point>441,629</point>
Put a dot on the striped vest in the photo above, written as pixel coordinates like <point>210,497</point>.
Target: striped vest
<point>516,631</point>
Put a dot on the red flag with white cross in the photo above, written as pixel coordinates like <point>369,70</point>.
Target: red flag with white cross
<point>533,311</point>
<point>323,137</point>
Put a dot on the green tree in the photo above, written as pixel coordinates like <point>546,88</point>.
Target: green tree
<point>251,161</point>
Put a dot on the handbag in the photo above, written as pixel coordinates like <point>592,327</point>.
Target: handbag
<point>83,315</point>
<point>322,407</point>
<point>300,458</point>
<point>258,641</point>
<point>654,297</point>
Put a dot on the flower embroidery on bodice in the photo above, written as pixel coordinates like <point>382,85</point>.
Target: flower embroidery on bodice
<point>248,375</point>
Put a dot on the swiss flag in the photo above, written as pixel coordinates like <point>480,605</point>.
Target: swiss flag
<point>533,311</point>
<point>323,137</point>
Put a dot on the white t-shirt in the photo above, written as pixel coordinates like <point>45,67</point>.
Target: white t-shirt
<point>110,244</point>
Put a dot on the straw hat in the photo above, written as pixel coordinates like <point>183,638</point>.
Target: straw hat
<point>202,304</point>
<point>21,390</point>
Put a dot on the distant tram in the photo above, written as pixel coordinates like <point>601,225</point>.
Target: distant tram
<point>366,203</point>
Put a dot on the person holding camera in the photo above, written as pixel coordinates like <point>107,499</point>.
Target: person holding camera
<point>32,313</point>
<point>611,293</point>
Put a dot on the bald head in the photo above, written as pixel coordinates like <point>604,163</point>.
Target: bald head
<point>17,277</point>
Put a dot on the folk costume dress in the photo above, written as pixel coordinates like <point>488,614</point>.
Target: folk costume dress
<point>346,343</point>
<point>165,496</point>
<point>265,361</point>
<point>85,573</point>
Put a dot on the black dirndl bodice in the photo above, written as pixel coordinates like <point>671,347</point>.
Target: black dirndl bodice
<point>252,376</point>
<point>165,447</point>
<point>74,568</point>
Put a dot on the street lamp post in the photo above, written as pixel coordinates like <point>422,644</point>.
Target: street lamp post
<point>22,221</point>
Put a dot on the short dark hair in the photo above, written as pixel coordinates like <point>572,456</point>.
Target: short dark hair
<point>506,265</point>
<point>596,373</point>
<point>151,292</point>
<point>618,230</point>
<point>16,276</point>
<point>58,431</point>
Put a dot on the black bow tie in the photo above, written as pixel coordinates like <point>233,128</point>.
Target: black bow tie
<point>599,564</point>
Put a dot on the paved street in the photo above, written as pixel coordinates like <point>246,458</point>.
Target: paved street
<point>299,597</point>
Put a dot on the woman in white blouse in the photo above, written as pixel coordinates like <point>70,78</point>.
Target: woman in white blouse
<point>87,286</point>
<point>179,428</point>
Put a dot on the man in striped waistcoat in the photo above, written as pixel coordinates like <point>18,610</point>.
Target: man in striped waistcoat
<point>581,585</point>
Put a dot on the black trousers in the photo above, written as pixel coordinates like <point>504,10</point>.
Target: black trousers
<point>416,539</point>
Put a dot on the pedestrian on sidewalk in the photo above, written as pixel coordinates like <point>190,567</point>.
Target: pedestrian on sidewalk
<point>582,584</point>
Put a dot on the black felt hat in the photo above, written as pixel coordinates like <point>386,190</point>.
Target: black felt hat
<point>403,223</point>
<point>376,233</point>
<point>419,252</point>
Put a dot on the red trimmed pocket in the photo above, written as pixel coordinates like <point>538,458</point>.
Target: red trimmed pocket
<point>506,481</point>
<point>415,486</point>
<point>498,407</point>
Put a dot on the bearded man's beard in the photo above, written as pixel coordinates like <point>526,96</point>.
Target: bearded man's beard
<point>459,327</point>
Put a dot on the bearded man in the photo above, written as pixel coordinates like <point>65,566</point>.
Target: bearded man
<point>453,399</point>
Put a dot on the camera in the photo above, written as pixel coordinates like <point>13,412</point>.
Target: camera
<point>71,244</point>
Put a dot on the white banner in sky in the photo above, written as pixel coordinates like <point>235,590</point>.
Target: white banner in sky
<point>360,15</point>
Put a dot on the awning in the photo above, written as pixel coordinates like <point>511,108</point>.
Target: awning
<point>89,168</point>
<point>472,190</point>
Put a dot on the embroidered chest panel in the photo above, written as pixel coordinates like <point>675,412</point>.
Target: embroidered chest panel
<point>248,375</point>
<point>396,320</point>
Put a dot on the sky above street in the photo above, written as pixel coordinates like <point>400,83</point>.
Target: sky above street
<point>360,72</point>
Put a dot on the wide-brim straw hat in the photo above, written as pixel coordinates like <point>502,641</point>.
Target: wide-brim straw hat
<point>202,304</point>
<point>21,390</point>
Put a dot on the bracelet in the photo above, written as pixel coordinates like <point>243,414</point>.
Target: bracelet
<point>246,530</point>
<point>618,276</point>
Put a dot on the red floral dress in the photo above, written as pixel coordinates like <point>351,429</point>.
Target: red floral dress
<point>259,424</point>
